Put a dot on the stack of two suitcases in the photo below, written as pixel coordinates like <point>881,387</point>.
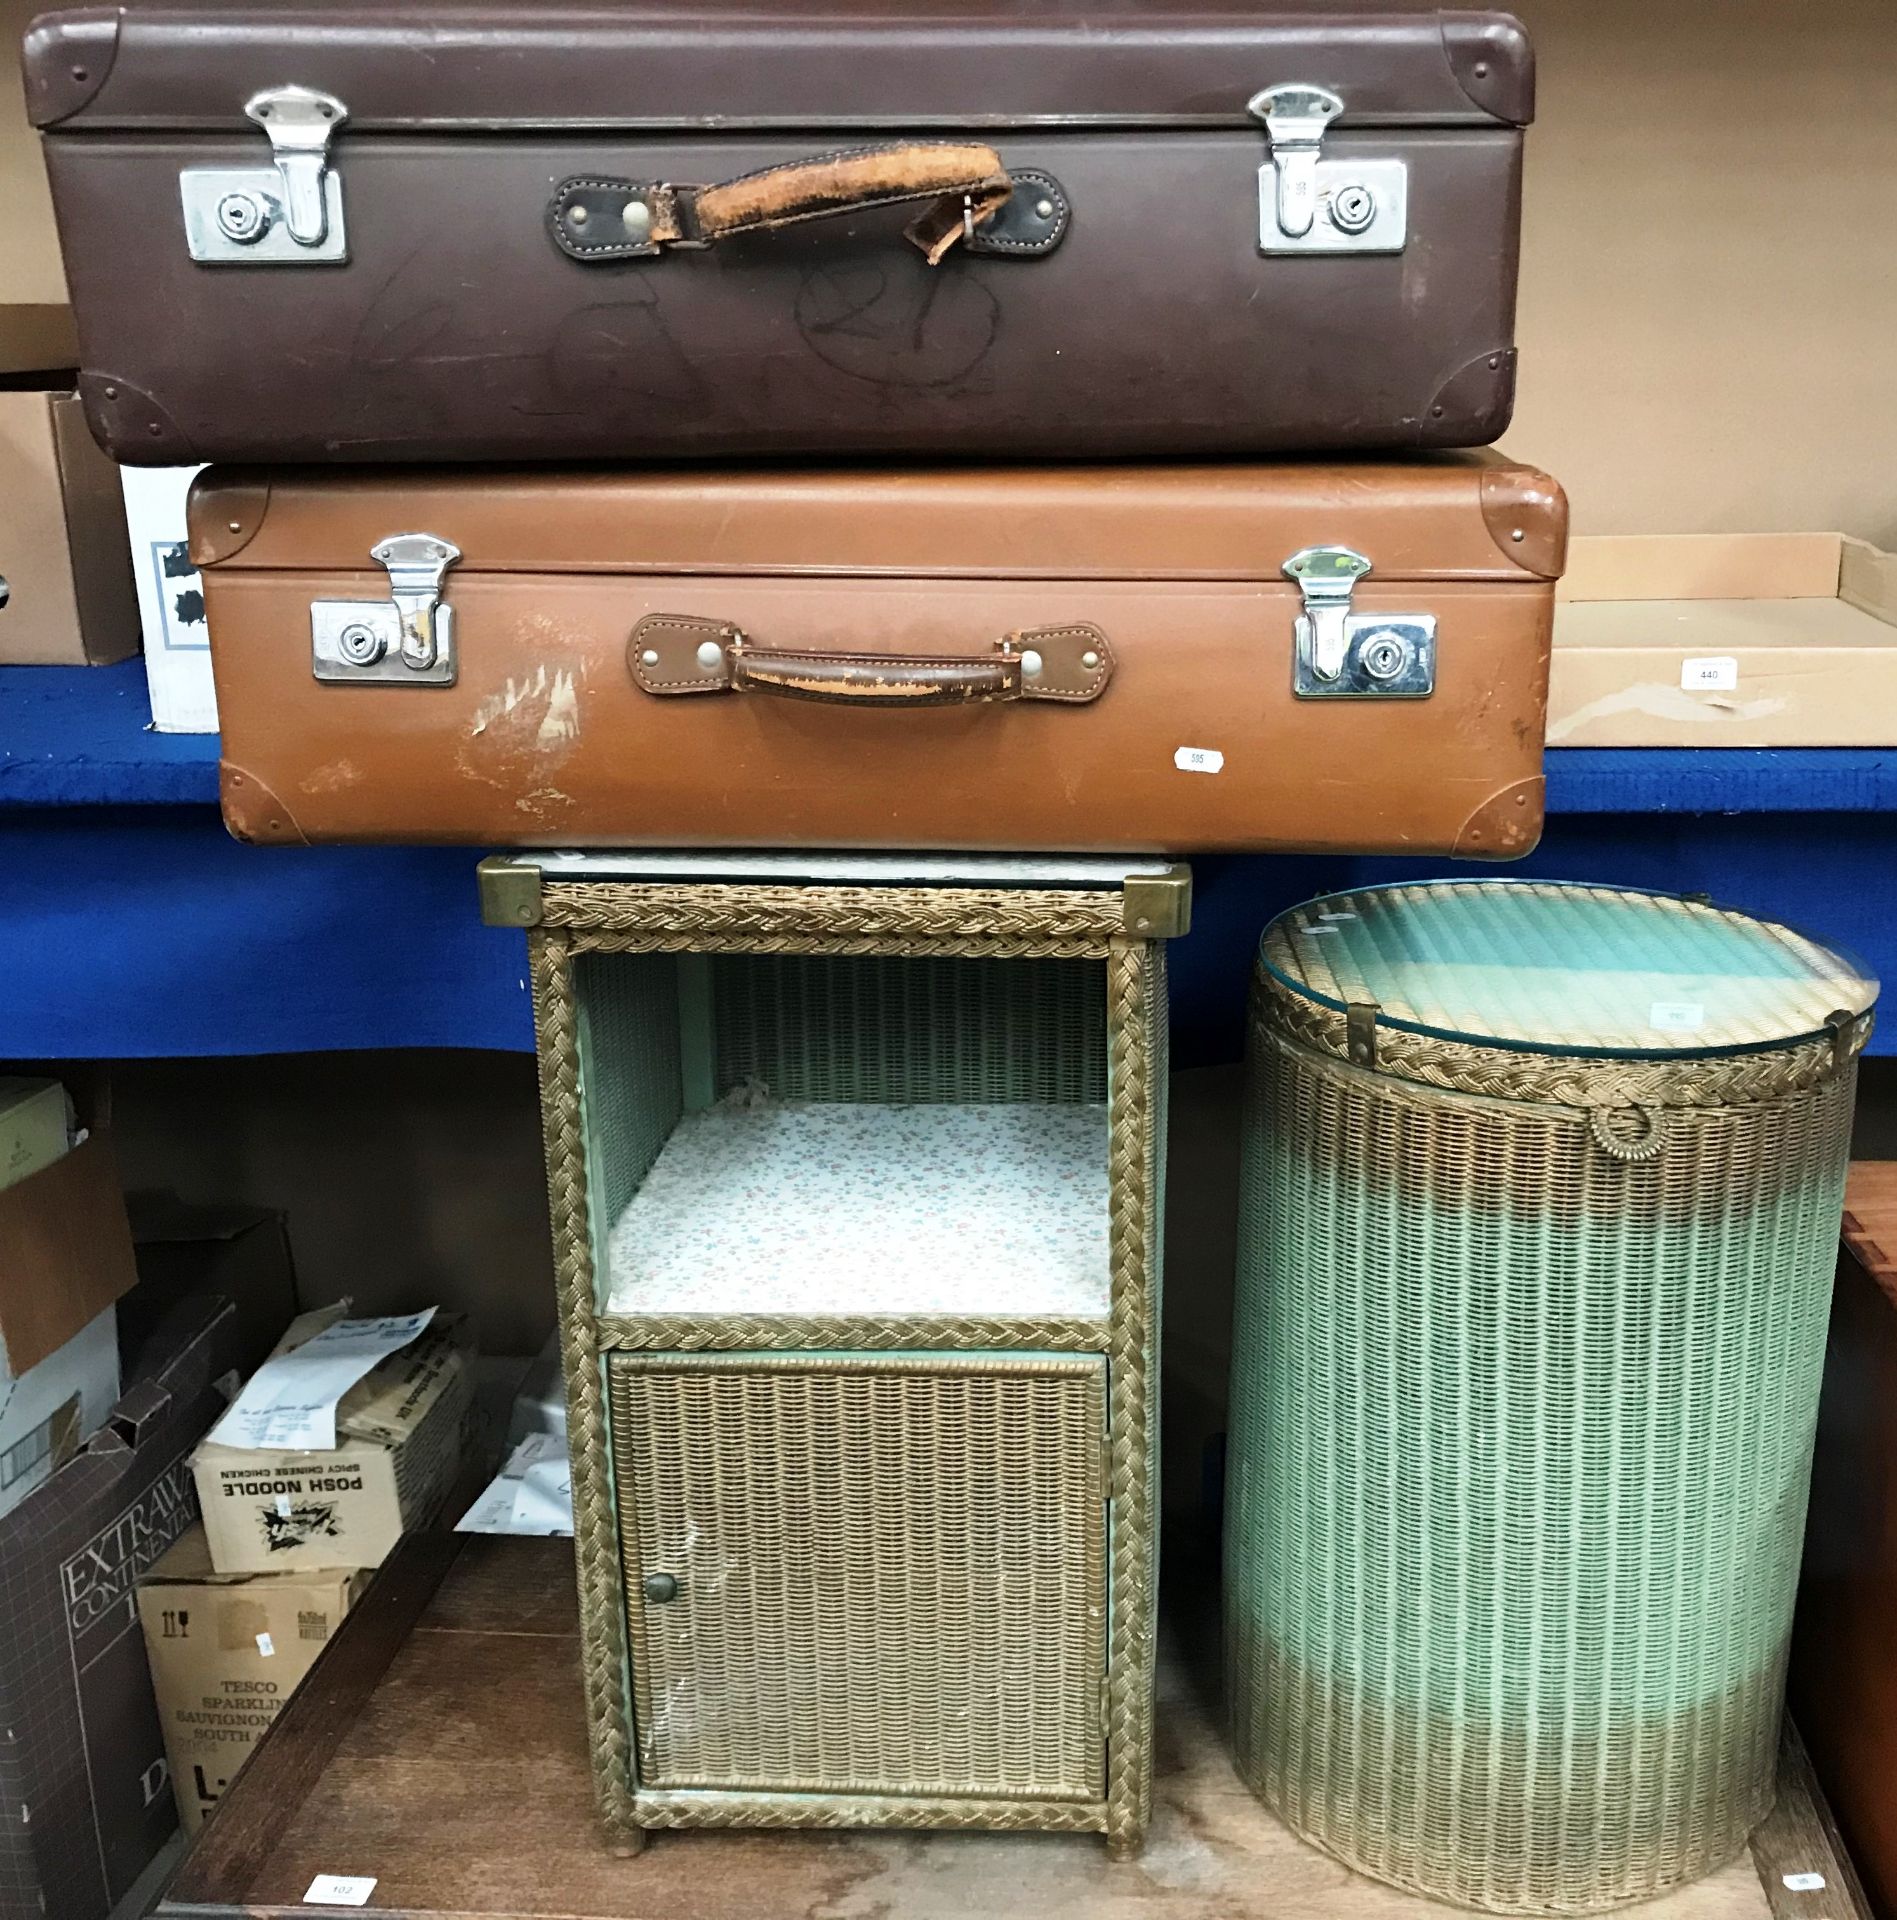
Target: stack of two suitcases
<point>865,1537</point>
<point>318,241</point>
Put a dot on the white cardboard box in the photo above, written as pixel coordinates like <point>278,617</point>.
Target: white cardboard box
<point>170,600</point>
<point>53,1409</point>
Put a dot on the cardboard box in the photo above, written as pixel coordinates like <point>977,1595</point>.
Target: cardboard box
<point>65,1258</point>
<point>29,243</point>
<point>1725,640</point>
<point>85,1794</point>
<point>240,1252</point>
<point>400,1434</point>
<point>227,1651</point>
<point>65,555</point>
<point>170,600</point>
<point>37,339</point>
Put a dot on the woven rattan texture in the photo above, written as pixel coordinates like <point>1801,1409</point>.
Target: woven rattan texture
<point>629,1054</point>
<point>835,1811</point>
<point>992,921</point>
<point>890,1571</point>
<point>1602,1085</point>
<point>1517,1476</point>
<point>869,1027</point>
<point>595,1526</point>
<point>914,925</point>
<point>684,1333</point>
<point>1136,1015</point>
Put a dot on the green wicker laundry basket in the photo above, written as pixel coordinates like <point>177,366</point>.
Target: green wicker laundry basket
<point>1541,1202</point>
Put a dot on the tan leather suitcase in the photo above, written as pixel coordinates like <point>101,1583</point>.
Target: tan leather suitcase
<point>1349,657</point>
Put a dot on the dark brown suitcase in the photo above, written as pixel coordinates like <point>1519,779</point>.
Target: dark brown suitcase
<point>1118,659</point>
<point>479,231</point>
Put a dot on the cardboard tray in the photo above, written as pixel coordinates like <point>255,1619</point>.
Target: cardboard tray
<point>1725,640</point>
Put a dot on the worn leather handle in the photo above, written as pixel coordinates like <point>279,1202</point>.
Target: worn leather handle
<point>682,653</point>
<point>963,183</point>
<point>872,680</point>
<point>966,183</point>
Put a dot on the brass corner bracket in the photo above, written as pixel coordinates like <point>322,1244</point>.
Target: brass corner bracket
<point>510,892</point>
<point>1159,905</point>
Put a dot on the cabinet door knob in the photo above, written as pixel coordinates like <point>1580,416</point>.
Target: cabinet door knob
<point>661,1587</point>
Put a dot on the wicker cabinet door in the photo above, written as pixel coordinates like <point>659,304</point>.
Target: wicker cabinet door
<point>865,1573</point>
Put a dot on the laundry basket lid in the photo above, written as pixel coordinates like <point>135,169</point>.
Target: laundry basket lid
<point>1555,967</point>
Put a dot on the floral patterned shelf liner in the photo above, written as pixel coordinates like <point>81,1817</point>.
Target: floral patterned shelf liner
<point>808,1208</point>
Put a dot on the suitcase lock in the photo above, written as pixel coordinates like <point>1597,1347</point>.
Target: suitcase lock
<point>1355,656</point>
<point>289,213</point>
<point>405,640</point>
<point>1307,204</point>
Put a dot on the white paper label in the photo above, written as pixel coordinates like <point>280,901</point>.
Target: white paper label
<point>1676,1016</point>
<point>533,1493</point>
<point>265,1645</point>
<point>339,1890</point>
<point>1717,673</point>
<point>1199,760</point>
<point>1805,1882</point>
<point>289,1403</point>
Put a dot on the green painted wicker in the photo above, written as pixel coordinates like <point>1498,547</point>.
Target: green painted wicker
<point>1534,1272</point>
<point>961,1507</point>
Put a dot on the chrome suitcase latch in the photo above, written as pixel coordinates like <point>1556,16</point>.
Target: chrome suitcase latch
<point>406,640</point>
<point>287,214</point>
<point>1341,655</point>
<point>1307,204</point>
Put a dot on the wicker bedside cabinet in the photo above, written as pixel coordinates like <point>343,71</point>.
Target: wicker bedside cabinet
<point>855,1175</point>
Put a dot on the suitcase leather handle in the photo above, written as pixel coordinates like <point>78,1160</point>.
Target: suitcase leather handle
<point>874,680</point>
<point>600,217</point>
<point>682,653</point>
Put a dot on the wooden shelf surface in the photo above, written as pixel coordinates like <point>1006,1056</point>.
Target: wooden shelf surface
<point>440,1748</point>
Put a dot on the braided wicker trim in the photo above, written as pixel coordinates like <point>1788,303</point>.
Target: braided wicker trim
<point>979,923</point>
<point>595,1524</point>
<point>1135,984</point>
<point>1731,1080</point>
<point>998,917</point>
<point>765,1332</point>
<point>908,946</point>
<point>704,1808</point>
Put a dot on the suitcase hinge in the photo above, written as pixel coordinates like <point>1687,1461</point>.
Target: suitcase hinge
<point>407,639</point>
<point>289,213</point>
<point>1307,204</point>
<point>1339,654</point>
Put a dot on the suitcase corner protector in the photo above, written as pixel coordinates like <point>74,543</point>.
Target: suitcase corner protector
<point>1507,825</point>
<point>253,812</point>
